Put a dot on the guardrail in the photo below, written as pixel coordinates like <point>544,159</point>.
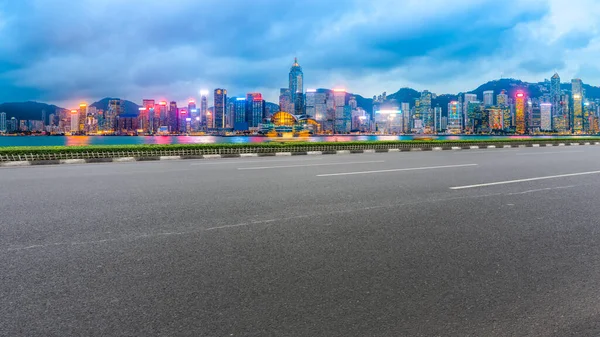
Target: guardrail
<point>267,149</point>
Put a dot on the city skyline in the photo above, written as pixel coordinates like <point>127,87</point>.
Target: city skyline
<point>366,47</point>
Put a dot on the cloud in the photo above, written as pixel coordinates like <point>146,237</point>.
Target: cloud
<point>62,51</point>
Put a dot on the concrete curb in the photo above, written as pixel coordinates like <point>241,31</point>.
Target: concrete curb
<point>278,154</point>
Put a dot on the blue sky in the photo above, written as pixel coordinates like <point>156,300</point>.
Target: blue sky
<point>65,51</point>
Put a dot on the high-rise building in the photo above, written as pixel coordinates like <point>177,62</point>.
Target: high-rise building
<point>220,105</point>
<point>173,117</point>
<point>546,110</point>
<point>343,115</point>
<point>161,112</point>
<point>488,98</point>
<point>455,118</point>
<point>296,85</point>
<point>502,99</point>
<point>520,113</point>
<point>425,110</point>
<point>473,117</point>
<point>437,113</point>
<point>44,118</point>
<point>3,122</point>
<point>555,105</point>
<point>239,111</point>
<point>74,121</point>
<point>146,116</point>
<point>204,109</point>
<point>82,117</point>
<point>405,108</point>
<point>255,109</point>
<point>467,98</point>
<point>578,98</point>
<point>285,100</point>
<point>183,118</point>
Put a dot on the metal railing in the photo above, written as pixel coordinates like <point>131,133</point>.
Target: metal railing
<point>266,149</point>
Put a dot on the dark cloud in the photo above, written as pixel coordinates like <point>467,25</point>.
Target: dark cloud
<point>62,49</point>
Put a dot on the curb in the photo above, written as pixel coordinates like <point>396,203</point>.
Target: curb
<point>278,154</point>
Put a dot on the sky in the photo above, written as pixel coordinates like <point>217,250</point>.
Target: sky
<point>64,52</point>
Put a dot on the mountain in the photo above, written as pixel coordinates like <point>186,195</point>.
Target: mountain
<point>28,110</point>
<point>405,95</point>
<point>129,107</point>
<point>365,103</point>
<point>511,86</point>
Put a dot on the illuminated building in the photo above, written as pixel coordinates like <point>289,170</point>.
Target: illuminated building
<point>110,116</point>
<point>182,119</point>
<point>43,119</point>
<point>161,114</point>
<point>455,118</point>
<point>12,125</point>
<point>285,100</point>
<point>496,118</point>
<point>317,101</point>
<point>255,109</point>
<point>577,115</point>
<point>204,109</point>
<point>220,100</point>
<point>74,121</point>
<point>239,112</point>
<point>520,113</point>
<point>82,117</point>
<point>502,99</point>
<point>343,113</point>
<point>173,119</point>
<point>535,116</point>
<point>555,99</point>
<point>546,110</point>
<point>437,113</point>
<point>425,111</point>
<point>488,97</point>
<point>193,114</point>
<point>296,86</point>
<point>465,106</point>
<point>473,118</point>
<point>127,124</point>
<point>405,108</point>
<point>2,121</point>
<point>285,122</point>
<point>146,116</point>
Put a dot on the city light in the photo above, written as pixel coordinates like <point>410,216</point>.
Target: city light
<point>339,90</point>
<point>241,99</point>
<point>142,109</point>
<point>311,90</point>
<point>194,110</point>
<point>191,101</point>
<point>82,105</point>
<point>391,112</point>
<point>188,119</point>
<point>74,111</point>
<point>576,96</point>
<point>520,94</point>
<point>203,92</point>
<point>197,118</point>
<point>163,103</point>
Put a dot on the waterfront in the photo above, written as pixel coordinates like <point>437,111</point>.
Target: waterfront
<point>133,140</point>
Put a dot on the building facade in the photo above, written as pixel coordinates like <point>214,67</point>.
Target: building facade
<point>220,106</point>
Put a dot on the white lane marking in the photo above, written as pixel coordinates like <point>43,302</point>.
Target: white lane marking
<point>525,180</point>
<point>543,189</point>
<point>308,165</point>
<point>72,161</point>
<point>264,161</point>
<point>396,170</point>
<point>553,152</point>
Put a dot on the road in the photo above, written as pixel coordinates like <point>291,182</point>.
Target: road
<point>502,242</point>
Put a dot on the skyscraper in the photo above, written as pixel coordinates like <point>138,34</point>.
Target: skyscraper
<point>437,113</point>
<point>204,109</point>
<point>577,116</point>
<point>297,87</point>
<point>173,117</point>
<point>285,100</point>
<point>546,110</point>
<point>2,121</point>
<point>455,118</point>
<point>74,121</point>
<point>556,113</point>
<point>239,112</point>
<point>44,118</point>
<point>405,108</point>
<point>343,116</point>
<point>220,102</point>
<point>146,117</point>
<point>82,116</point>
<point>520,113</point>
<point>467,98</point>
<point>488,98</point>
<point>255,109</point>
<point>426,113</point>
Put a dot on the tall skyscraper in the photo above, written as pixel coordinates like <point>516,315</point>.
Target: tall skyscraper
<point>255,109</point>
<point>546,110</point>
<point>204,109</point>
<point>74,121</point>
<point>405,108</point>
<point>239,111</point>
<point>467,98</point>
<point>2,121</point>
<point>82,116</point>
<point>343,115</point>
<point>296,85</point>
<point>555,92</point>
<point>426,113</point>
<point>285,100</point>
<point>146,117</point>
<point>578,97</point>
<point>173,117</point>
<point>161,112</point>
<point>437,114</point>
<point>220,104</point>
<point>488,98</point>
<point>455,118</point>
<point>520,113</point>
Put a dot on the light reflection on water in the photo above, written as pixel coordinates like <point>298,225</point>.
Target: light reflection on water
<point>127,140</point>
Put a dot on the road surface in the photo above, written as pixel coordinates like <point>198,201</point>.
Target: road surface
<point>502,242</point>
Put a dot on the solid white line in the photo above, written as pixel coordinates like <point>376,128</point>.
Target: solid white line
<point>266,160</point>
<point>283,154</point>
<point>72,161</point>
<point>395,170</point>
<point>170,157</point>
<point>308,165</point>
<point>524,180</point>
<point>123,160</point>
<point>245,155</point>
<point>15,163</point>
<point>211,156</point>
<point>553,152</point>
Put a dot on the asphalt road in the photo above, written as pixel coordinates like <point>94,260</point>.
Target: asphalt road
<point>502,242</point>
